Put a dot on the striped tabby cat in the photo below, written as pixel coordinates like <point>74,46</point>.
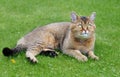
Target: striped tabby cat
<point>74,38</point>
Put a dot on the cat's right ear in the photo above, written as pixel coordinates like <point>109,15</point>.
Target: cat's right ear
<point>93,15</point>
<point>74,17</point>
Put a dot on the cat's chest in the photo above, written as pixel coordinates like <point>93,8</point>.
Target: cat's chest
<point>84,46</point>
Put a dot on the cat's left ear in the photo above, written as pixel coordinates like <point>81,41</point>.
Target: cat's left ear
<point>93,15</point>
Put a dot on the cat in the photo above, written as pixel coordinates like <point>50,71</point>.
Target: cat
<point>75,38</point>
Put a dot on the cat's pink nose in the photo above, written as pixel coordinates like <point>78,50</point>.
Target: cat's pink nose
<point>85,32</point>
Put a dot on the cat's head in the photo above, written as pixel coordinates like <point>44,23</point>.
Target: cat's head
<point>83,26</point>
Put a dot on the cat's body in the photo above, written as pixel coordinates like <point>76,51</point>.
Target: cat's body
<point>50,36</point>
<point>73,38</point>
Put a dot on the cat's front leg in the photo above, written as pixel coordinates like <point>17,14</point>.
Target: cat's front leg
<point>92,55</point>
<point>76,54</point>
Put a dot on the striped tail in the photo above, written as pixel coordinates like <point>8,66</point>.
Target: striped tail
<point>10,52</point>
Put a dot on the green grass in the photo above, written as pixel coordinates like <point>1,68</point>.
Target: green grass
<point>18,17</point>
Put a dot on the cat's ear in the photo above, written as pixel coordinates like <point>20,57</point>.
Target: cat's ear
<point>74,17</point>
<point>93,15</point>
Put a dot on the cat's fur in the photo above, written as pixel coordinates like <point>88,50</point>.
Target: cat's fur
<point>73,38</point>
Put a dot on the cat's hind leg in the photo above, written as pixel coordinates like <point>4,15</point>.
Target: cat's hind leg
<point>31,56</point>
<point>32,52</point>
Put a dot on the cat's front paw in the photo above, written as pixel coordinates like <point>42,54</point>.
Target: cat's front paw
<point>83,58</point>
<point>95,57</point>
<point>92,55</point>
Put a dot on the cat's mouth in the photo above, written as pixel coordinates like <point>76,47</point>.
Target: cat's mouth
<point>83,36</point>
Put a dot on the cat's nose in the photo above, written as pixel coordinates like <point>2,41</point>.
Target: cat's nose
<point>85,32</point>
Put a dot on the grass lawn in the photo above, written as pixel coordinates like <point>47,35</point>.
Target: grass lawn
<point>18,17</point>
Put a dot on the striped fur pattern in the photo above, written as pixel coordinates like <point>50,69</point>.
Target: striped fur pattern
<point>74,38</point>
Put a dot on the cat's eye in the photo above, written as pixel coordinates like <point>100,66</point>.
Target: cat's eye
<point>80,25</point>
<point>90,24</point>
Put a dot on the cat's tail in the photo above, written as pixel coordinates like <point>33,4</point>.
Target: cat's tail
<point>10,52</point>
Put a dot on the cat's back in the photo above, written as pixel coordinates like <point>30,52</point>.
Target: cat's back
<point>55,26</point>
<point>57,29</point>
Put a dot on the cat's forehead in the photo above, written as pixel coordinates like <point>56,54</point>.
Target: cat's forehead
<point>84,19</point>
